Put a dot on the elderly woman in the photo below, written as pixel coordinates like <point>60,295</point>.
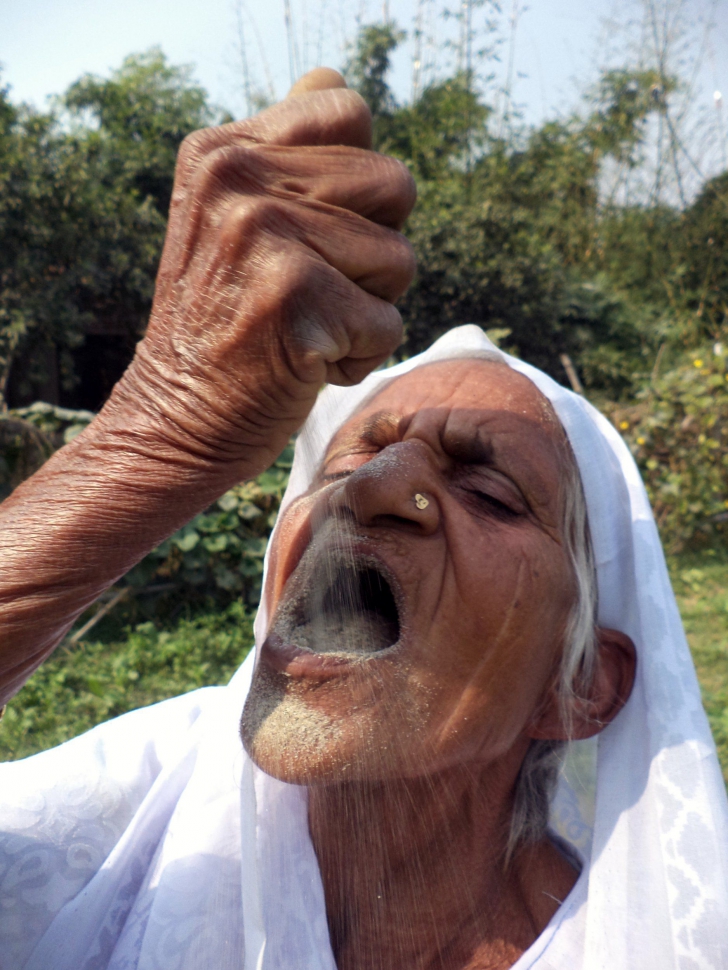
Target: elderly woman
<point>463,565</point>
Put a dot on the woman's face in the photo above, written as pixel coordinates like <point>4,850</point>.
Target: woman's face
<point>420,589</point>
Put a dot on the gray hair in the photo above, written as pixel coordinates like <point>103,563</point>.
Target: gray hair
<point>540,770</point>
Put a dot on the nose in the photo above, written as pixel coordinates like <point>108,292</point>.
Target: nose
<point>396,488</point>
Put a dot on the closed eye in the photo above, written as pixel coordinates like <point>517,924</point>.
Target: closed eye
<point>343,465</point>
<point>488,503</point>
<point>335,476</point>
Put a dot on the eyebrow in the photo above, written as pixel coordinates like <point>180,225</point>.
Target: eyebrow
<point>377,430</point>
<point>481,447</point>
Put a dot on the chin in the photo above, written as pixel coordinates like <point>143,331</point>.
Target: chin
<point>286,736</point>
<point>343,729</point>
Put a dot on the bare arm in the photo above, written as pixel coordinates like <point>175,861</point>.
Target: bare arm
<point>280,267</point>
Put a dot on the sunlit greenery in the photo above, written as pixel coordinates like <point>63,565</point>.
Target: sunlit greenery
<point>701,585</point>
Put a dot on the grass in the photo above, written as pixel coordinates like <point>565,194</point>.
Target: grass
<point>701,586</point>
<point>94,681</point>
<point>140,664</point>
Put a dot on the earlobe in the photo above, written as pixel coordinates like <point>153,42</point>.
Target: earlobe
<point>599,702</point>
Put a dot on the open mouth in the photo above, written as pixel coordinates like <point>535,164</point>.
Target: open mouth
<point>346,606</point>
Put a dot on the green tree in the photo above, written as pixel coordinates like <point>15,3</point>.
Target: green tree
<point>139,117</point>
<point>83,204</point>
<point>367,67</point>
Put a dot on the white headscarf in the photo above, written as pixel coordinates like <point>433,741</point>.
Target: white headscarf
<point>153,843</point>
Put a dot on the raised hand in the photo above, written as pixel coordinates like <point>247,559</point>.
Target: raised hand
<point>282,261</point>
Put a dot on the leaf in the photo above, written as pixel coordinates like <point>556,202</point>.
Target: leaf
<point>94,685</point>
<point>215,543</point>
<point>187,541</point>
<point>228,502</point>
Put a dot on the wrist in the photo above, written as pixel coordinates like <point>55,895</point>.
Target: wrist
<point>198,428</point>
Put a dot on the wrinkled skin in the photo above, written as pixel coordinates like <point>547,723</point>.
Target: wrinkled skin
<point>281,264</point>
<point>412,753</point>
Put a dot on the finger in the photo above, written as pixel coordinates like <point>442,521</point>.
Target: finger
<point>377,187</point>
<point>337,332</point>
<point>329,117</point>
<point>319,79</point>
<point>377,259</point>
<point>374,186</point>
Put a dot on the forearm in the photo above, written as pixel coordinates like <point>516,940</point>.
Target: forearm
<point>87,516</point>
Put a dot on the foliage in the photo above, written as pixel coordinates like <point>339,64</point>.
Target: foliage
<point>367,67</point>
<point>219,554</point>
<point>83,202</point>
<point>679,434</point>
<point>512,229</point>
<point>507,231</point>
<point>23,449</point>
<point>704,269</point>
<point>216,557</point>
<point>28,437</point>
<point>140,116</point>
<point>80,687</point>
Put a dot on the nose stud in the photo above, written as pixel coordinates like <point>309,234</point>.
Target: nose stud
<point>421,502</point>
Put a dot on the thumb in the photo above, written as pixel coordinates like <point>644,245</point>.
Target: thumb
<point>319,79</point>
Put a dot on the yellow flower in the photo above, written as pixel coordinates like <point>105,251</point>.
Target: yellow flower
<point>625,424</point>
<point>640,441</point>
<point>697,363</point>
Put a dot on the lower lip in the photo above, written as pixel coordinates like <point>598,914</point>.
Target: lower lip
<point>302,664</point>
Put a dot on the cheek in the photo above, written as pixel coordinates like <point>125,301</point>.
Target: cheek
<point>496,639</point>
<point>291,538</point>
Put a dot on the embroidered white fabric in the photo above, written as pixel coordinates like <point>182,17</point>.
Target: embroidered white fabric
<point>153,843</point>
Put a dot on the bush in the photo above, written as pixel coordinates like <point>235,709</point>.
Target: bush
<point>679,435</point>
<point>218,556</point>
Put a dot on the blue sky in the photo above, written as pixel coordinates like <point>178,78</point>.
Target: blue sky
<point>557,45</point>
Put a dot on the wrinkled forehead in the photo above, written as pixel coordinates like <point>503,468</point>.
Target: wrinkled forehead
<point>480,409</point>
<point>477,394</point>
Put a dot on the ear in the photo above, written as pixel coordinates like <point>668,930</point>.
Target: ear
<point>615,663</point>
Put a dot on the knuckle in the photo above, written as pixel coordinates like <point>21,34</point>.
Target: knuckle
<point>195,145</point>
<point>245,218</point>
<point>233,161</point>
<point>349,120</point>
<point>406,255</point>
<point>229,167</point>
<point>292,273</point>
<point>390,328</point>
<point>351,101</point>
<point>401,266</point>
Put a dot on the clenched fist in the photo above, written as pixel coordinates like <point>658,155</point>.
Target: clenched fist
<point>282,263</point>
